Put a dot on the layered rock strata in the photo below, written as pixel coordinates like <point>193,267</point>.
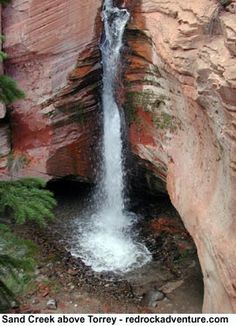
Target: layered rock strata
<point>179,100</point>
<point>53,54</point>
<point>181,104</point>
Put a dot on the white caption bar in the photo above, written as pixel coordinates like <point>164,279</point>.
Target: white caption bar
<point>117,319</point>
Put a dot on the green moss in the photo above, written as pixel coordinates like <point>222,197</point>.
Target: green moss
<point>164,121</point>
<point>151,79</point>
<point>130,109</point>
<point>145,100</point>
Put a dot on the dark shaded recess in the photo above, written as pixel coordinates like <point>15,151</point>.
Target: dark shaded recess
<point>69,187</point>
<point>6,119</point>
<point>225,3</point>
<point>143,187</point>
<point>140,197</point>
<point>131,5</point>
<point>93,79</point>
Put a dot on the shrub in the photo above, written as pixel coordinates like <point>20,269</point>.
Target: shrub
<point>14,257</point>
<point>24,199</point>
<point>27,200</point>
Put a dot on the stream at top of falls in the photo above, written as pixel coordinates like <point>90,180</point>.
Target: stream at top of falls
<point>105,238</point>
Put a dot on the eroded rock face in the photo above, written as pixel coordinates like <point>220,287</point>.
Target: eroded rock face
<point>179,99</point>
<point>52,49</point>
<point>181,104</point>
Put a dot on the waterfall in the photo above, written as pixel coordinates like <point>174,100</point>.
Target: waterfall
<point>106,239</point>
<point>115,21</point>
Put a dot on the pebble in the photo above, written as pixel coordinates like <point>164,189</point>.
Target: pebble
<point>152,297</point>
<point>35,301</point>
<point>72,272</point>
<point>40,278</point>
<point>52,304</point>
<point>171,286</point>
<point>14,304</point>
<point>232,8</point>
<point>37,272</point>
<point>49,265</point>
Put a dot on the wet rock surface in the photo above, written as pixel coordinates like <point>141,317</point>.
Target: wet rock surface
<point>167,284</point>
<point>179,99</point>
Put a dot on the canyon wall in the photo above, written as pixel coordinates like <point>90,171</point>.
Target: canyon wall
<point>52,49</point>
<point>179,97</point>
<point>180,101</point>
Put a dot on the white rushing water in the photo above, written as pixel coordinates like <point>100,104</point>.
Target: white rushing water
<point>106,242</point>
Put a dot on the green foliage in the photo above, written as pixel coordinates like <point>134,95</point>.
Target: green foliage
<point>14,258</point>
<point>130,108</point>
<point>27,200</point>
<point>146,100</point>
<point>164,121</point>
<point>3,55</point>
<point>9,91</point>
<point>5,2</point>
<point>142,99</point>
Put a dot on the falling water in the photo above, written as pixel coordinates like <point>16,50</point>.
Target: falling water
<point>106,239</point>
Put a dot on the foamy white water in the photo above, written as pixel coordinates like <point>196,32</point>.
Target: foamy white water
<point>105,240</point>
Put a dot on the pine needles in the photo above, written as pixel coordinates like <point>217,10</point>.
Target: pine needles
<point>27,200</point>
<point>15,257</point>
<point>9,92</point>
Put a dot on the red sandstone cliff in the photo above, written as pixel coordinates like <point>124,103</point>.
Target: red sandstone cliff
<point>179,99</point>
<point>52,49</point>
<point>181,77</point>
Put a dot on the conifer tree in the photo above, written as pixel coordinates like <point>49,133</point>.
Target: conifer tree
<point>24,199</point>
<point>9,92</point>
